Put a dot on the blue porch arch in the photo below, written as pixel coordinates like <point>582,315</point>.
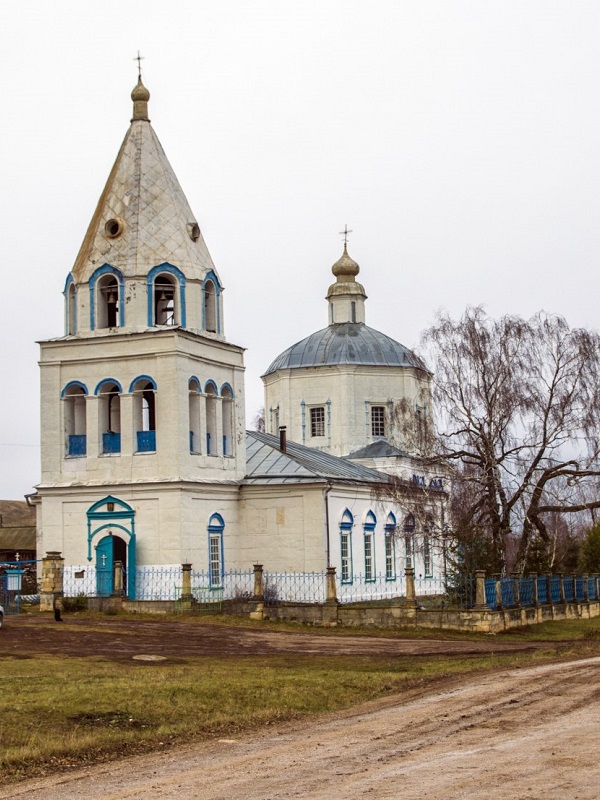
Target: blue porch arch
<point>103,517</point>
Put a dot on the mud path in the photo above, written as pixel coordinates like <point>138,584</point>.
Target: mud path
<point>526,733</point>
<point>122,638</point>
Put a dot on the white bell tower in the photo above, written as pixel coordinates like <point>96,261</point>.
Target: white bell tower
<point>142,400</point>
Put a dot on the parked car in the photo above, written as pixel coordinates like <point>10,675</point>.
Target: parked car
<point>1,616</point>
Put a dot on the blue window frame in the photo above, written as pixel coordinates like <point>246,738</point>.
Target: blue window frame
<point>216,568</point>
<point>369,545</point>
<point>346,546</point>
<point>390,548</point>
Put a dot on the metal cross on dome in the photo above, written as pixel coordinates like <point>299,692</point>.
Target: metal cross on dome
<point>345,233</point>
<point>139,59</point>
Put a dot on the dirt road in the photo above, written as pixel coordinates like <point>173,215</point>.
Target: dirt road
<point>525,733</point>
<point>123,637</point>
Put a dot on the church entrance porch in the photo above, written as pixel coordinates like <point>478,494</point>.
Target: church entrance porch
<point>111,540</point>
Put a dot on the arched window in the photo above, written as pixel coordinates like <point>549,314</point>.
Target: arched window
<point>409,532</point>
<point>106,295</point>
<point>211,298</point>
<point>70,307</point>
<point>74,396</point>
<point>165,285</point>
<point>164,300</point>
<point>216,526</point>
<point>194,412</point>
<point>427,560</point>
<point>390,548</point>
<point>108,302</point>
<point>143,390</point>
<point>211,419</point>
<point>346,546</point>
<point>228,427</point>
<point>369,539</point>
<point>210,307</point>
<point>109,415</point>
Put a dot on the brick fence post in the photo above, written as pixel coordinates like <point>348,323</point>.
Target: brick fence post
<point>535,600</point>
<point>259,584</point>
<point>257,604</point>
<point>480,601</point>
<point>411,595</point>
<point>186,581</point>
<point>516,589</point>
<point>52,580</point>
<point>331,587</point>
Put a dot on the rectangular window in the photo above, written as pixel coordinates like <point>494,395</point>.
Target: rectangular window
<point>427,567</point>
<point>408,545</point>
<point>369,572</point>
<point>390,573</point>
<point>345,543</point>
<point>215,560</point>
<point>377,420</point>
<point>317,421</point>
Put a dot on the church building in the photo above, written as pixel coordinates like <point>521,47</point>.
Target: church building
<point>145,457</point>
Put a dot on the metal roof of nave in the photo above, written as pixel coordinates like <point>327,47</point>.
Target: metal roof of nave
<point>143,217</point>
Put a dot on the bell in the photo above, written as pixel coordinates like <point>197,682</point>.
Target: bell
<point>112,297</point>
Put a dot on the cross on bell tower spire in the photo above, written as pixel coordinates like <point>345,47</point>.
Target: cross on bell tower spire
<point>139,59</point>
<point>345,233</point>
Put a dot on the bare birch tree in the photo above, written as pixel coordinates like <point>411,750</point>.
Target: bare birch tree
<point>518,414</point>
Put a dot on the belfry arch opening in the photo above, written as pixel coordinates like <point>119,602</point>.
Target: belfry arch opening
<point>71,310</point>
<point>165,301</point>
<point>144,415</point>
<point>75,421</point>
<point>109,417</point>
<point>108,302</point>
<point>210,306</point>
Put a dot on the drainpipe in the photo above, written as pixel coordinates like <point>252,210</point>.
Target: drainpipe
<point>282,438</point>
<point>326,501</point>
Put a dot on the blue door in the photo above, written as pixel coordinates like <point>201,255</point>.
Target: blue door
<point>104,567</point>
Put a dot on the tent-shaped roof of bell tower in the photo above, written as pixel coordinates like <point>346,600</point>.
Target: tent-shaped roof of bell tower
<point>143,217</point>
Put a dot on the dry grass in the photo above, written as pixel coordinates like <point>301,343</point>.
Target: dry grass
<point>62,712</point>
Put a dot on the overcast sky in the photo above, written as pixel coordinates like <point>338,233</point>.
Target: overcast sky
<point>459,141</point>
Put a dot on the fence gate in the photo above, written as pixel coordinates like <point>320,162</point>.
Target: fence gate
<point>18,582</point>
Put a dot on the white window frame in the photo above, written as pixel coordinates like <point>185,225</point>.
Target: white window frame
<point>317,422</point>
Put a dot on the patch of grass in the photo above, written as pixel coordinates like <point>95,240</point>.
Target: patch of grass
<point>57,712</point>
<point>570,630</point>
